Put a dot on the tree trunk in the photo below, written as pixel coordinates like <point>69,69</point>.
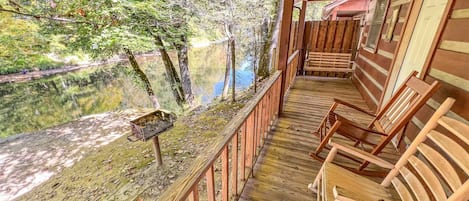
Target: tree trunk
<point>226,84</point>
<point>233,68</point>
<point>269,35</point>
<point>143,77</point>
<point>263,70</point>
<point>183,59</point>
<point>255,62</point>
<point>171,73</point>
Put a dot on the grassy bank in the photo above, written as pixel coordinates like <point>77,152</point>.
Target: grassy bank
<point>124,170</point>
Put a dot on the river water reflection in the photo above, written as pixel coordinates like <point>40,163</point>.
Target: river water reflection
<point>38,104</point>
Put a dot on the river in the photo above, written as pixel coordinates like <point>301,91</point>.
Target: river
<point>38,104</point>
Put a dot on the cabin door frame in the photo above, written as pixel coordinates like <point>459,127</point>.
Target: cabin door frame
<point>404,43</point>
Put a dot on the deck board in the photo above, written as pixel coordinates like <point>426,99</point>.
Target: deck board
<point>284,168</point>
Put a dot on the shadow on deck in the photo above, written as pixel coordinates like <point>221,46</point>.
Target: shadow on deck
<point>284,168</point>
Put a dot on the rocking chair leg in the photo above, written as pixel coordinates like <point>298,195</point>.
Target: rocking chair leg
<point>326,138</point>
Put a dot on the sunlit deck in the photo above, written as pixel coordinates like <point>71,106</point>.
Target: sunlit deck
<point>284,168</point>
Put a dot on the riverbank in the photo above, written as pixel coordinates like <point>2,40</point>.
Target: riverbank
<point>33,75</point>
<point>117,170</point>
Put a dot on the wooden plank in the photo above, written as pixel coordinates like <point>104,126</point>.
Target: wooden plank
<point>319,69</point>
<point>242,170</point>
<point>315,36</point>
<point>457,153</point>
<point>460,14</point>
<point>339,36</point>
<point>330,37</point>
<point>194,194</point>
<point>399,2</point>
<point>225,175</point>
<point>441,165</point>
<point>234,165</point>
<point>429,177</point>
<point>348,34</point>
<point>461,4</point>
<point>356,34</point>
<point>374,65</point>
<point>448,90</point>
<point>458,128</point>
<point>415,185</point>
<point>364,88</point>
<point>375,92</point>
<point>456,46</point>
<point>209,176</point>
<point>404,193</point>
<point>450,62</point>
<point>450,79</point>
<point>323,29</point>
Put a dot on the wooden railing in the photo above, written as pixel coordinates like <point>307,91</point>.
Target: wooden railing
<point>242,141</point>
<point>292,68</point>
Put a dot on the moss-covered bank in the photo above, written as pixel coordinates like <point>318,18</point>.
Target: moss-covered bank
<point>124,170</point>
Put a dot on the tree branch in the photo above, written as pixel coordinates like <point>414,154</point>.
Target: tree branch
<point>46,17</point>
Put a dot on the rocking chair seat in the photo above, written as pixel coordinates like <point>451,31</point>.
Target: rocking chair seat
<point>350,185</point>
<point>354,131</point>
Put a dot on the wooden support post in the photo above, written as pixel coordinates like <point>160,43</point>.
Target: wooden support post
<point>157,151</point>
<point>301,32</point>
<point>283,45</point>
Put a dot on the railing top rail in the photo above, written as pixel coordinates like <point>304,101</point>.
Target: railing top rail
<point>181,188</point>
<point>292,56</point>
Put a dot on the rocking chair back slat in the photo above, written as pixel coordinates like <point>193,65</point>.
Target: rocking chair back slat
<point>430,179</point>
<point>409,98</point>
<point>435,157</point>
<point>402,190</point>
<point>444,168</point>
<point>415,184</point>
<point>459,155</point>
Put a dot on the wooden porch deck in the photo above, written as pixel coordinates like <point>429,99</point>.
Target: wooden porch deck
<point>284,168</point>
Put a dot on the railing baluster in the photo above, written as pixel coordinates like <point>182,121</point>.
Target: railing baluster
<point>252,146</point>
<point>262,120</point>
<point>225,176</point>
<point>210,183</point>
<point>243,152</point>
<point>194,196</point>
<point>253,124</point>
<point>249,140</point>
<point>234,165</point>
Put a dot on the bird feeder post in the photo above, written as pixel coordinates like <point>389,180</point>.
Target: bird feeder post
<point>157,151</point>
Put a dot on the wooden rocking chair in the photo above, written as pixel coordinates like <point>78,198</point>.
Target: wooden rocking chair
<point>386,124</point>
<point>434,167</point>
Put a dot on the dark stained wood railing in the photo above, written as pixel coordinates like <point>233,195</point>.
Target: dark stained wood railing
<point>242,140</point>
<point>292,68</point>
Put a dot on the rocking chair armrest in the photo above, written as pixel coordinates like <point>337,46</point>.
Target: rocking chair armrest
<point>353,107</point>
<point>362,154</point>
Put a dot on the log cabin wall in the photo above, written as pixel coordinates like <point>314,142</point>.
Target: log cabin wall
<point>372,67</point>
<point>447,62</point>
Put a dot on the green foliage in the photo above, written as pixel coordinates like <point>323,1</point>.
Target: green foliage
<point>21,46</point>
<point>314,10</point>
